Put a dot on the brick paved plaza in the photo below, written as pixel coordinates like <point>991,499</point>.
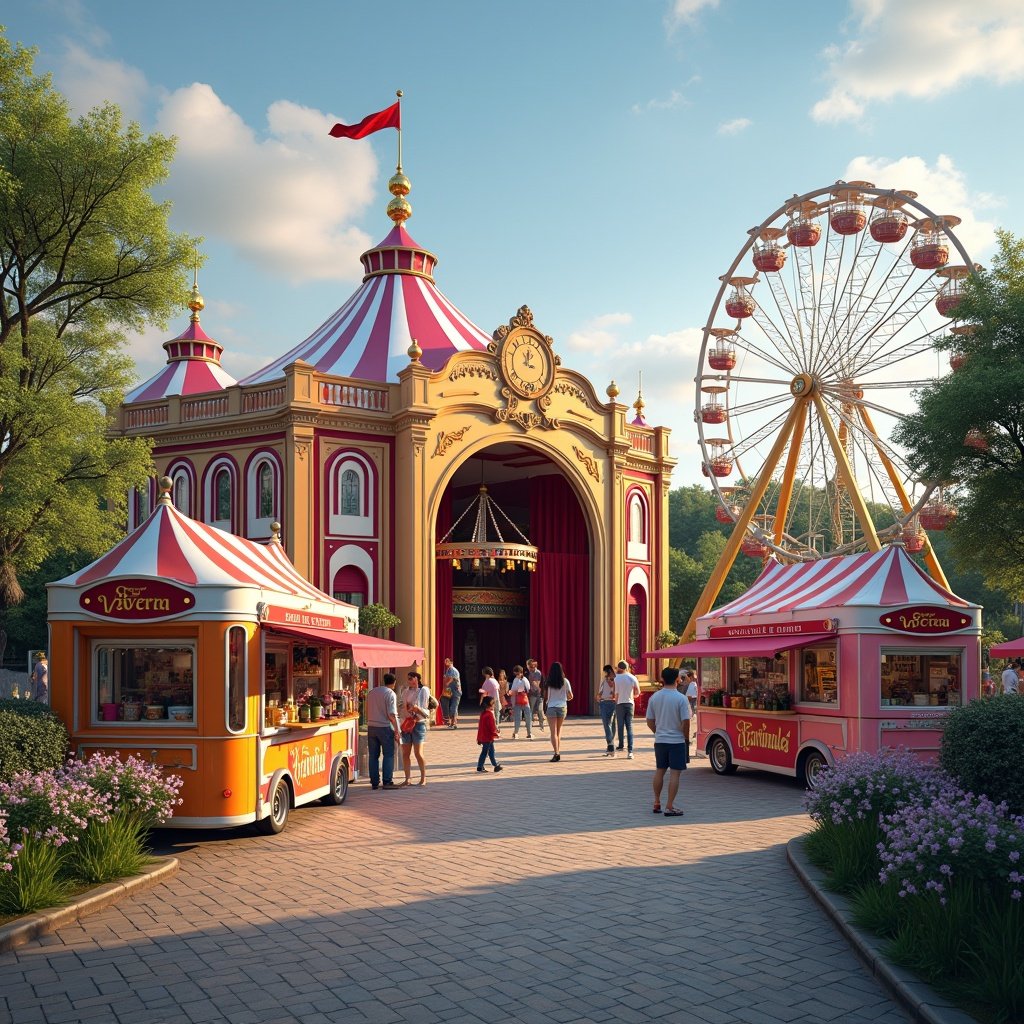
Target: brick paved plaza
<point>547,893</point>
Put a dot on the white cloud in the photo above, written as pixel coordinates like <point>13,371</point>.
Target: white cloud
<point>735,126</point>
<point>922,49</point>
<point>88,80</point>
<point>942,188</point>
<point>599,334</point>
<point>675,98</point>
<point>284,198</point>
<point>685,11</point>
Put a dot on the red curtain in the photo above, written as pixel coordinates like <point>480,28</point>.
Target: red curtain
<point>443,639</point>
<point>560,588</point>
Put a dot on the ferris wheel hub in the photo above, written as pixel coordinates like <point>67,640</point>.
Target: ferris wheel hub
<point>803,385</point>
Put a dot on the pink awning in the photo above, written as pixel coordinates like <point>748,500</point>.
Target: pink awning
<point>367,651</point>
<point>1009,648</point>
<point>741,647</point>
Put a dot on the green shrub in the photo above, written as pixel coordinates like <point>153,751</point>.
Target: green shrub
<point>36,878</point>
<point>109,850</point>
<point>32,738</point>
<point>981,746</point>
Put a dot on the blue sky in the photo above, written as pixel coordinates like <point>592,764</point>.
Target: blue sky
<point>600,162</point>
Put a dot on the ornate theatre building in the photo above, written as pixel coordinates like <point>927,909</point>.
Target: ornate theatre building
<point>481,490</point>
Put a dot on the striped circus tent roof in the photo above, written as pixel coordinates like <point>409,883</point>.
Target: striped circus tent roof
<point>398,301</point>
<point>170,546</point>
<point>885,578</point>
<point>193,367</point>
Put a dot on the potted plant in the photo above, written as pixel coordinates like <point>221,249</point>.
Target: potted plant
<point>316,707</point>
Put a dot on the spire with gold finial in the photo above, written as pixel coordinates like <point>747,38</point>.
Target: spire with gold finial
<point>195,301</point>
<point>399,209</point>
<point>639,403</point>
<point>612,391</point>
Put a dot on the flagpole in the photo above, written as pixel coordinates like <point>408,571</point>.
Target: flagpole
<point>399,95</point>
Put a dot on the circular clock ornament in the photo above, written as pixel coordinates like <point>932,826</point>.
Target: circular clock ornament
<point>527,363</point>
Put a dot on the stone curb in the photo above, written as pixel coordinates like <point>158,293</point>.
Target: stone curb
<point>25,929</point>
<point>918,998</point>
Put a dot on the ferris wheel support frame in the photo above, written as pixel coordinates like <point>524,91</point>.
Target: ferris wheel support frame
<point>732,546</point>
<point>930,558</point>
<point>789,475</point>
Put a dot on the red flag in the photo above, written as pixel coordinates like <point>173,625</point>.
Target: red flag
<point>389,118</point>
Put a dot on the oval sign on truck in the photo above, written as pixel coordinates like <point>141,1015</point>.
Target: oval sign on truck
<point>925,619</point>
<point>136,600</point>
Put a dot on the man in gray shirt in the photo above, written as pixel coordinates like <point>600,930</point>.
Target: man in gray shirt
<point>668,717</point>
<point>536,678</point>
<point>382,731</point>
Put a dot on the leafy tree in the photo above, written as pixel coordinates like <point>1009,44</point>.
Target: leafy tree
<point>985,394</point>
<point>377,620</point>
<point>85,253</point>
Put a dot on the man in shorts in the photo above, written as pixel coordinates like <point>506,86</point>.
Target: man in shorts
<point>668,717</point>
<point>536,679</point>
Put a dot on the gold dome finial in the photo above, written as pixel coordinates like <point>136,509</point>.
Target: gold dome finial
<point>414,351</point>
<point>195,300</point>
<point>612,391</point>
<point>639,403</point>
<point>166,485</point>
<point>275,532</point>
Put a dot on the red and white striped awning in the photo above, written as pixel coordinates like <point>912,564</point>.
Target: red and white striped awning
<point>369,337</point>
<point>885,578</point>
<point>170,546</point>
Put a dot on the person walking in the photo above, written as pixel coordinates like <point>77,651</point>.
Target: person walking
<point>489,688</point>
<point>486,733</point>
<point>1011,681</point>
<point>557,694</point>
<point>668,717</point>
<point>382,732</point>
<point>452,694</point>
<point>504,714</point>
<point>40,679</point>
<point>415,705</point>
<point>520,695</point>
<point>536,677</point>
<point>606,704</point>
<point>627,689</point>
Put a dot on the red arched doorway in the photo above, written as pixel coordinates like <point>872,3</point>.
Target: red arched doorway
<point>501,619</point>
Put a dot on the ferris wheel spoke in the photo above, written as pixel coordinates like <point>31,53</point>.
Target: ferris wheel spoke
<point>744,342</point>
<point>884,331</point>
<point>775,334</point>
<point>742,379</point>
<point>787,316</point>
<point>738,449</point>
<point>912,348</point>
<point>756,406</point>
<point>838,396</point>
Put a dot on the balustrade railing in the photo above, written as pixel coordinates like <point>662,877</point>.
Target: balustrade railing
<point>147,416</point>
<point>641,442</point>
<point>204,408</point>
<point>353,396</point>
<point>257,401</point>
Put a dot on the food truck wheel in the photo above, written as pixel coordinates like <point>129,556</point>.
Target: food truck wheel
<point>280,804</point>
<point>813,764</point>
<point>339,784</point>
<point>721,759</point>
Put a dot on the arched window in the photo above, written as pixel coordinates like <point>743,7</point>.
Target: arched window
<point>350,586</point>
<point>352,483</point>
<point>637,523</point>
<point>636,624</point>
<point>181,492</point>
<point>142,508</point>
<point>265,488</point>
<point>350,496</point>
<point>222,495</point>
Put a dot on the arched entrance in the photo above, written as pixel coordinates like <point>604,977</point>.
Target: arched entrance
<point>500,619</point>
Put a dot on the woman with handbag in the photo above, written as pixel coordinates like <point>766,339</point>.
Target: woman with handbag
<point>415,704</point>
<point>520,692</point>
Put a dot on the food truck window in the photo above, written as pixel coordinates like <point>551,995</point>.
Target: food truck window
<point>818,682</point>
<point>760,684</point>
<point>307,671</point>
<point>236,674</point>
<point>709,677</point>
<point>920,679</point>
<point>143,682</point>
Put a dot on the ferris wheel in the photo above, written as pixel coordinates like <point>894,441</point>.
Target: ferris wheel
<point>822,328</point>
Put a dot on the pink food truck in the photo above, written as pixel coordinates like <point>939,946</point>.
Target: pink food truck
<point>819,659</point>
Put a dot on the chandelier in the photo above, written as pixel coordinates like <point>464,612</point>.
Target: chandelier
<point>481,553</point>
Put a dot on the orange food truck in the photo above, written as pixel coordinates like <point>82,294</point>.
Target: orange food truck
<point>822,658</point>
<point>210,655</point>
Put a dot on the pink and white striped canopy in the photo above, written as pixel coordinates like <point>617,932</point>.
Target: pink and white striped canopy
<point>369,337</point>
<point>193,367</point>
<point>172,547</point>
<point>881,579</point>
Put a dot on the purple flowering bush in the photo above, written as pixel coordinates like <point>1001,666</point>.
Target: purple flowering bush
<point>133,786</point>
<point>848,805</point>
<point>933,868</point>
<point>81,823</point>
